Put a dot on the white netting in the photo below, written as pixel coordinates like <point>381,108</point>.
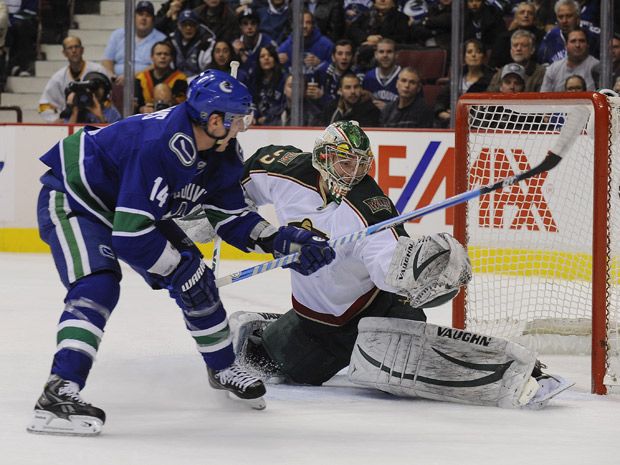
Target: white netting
<point>531,244</point>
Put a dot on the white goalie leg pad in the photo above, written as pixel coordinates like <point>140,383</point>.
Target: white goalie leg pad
<point>416,359</point>
<point>429,270</point>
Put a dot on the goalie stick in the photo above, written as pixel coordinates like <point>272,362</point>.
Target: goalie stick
<point>572,128</point>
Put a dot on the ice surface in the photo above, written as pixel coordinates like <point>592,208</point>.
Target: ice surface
<point>153,386</point>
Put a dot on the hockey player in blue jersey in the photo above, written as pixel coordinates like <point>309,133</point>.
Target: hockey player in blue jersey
<point>111,194</point>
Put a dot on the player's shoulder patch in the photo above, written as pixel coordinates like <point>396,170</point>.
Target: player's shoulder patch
<point>378,203</point>
<point>287,157</point>
<point>370,202</point>
<point>183,147</point>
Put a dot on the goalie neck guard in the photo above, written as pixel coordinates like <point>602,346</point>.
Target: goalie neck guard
<point>343,156</point>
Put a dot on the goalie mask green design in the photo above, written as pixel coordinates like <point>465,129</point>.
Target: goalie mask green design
<point>343,156</point>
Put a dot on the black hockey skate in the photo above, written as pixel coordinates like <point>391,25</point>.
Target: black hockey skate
<point>60,410</point>
<point>239,384</point>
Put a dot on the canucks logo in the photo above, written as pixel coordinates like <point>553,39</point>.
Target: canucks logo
<point>183,147</point>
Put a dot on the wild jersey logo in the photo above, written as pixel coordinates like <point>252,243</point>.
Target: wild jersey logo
<point>376,204</point>
<point>497,371</point>
<point>183,147</point>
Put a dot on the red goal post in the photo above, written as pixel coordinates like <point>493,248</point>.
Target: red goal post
<point>544,252</point>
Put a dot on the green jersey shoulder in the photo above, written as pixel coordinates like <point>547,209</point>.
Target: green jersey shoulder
<point>284,161</point>
<point>372,204</point>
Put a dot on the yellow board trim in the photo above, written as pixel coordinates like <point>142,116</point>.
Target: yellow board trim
<point>27,240</point>
<point>541,263</point>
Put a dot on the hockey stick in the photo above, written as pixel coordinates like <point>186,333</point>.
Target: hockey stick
<point>572,128</point>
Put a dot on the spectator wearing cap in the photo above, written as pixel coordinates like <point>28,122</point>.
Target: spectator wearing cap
<point>220,18</point>
<point>53,100</point>
<point>193,43</point>
<point>162,57</point>
<point>578,61</point>
<point>317,48</point>
<point>512,79</point>
<point>251,40</point>
<point>275,19</point>
<point>167,17</point>
<point>146,36</point>
<point>522,52</point>
<point>409,110</point>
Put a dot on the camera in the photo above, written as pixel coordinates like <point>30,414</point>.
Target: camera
<point>160,105</point>
<point>83,91</point>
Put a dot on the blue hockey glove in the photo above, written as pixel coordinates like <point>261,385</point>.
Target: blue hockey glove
<point>192,284</point>
<point>314,251</point>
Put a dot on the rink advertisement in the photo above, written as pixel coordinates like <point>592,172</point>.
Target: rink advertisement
<point>415,168</point>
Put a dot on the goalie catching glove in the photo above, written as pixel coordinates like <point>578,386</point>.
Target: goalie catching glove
<point>429,270</point>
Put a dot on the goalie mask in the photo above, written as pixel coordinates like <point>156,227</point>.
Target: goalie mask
<point>342,155</point>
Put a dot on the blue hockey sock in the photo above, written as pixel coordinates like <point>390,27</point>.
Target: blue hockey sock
<point>213,339</point>
<point>88,306</point>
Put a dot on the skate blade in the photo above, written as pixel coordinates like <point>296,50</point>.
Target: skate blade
<point>543,401</point>
<point>257,404</point>
<point>77,425</point>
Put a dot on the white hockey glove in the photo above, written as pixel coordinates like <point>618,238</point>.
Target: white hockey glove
<point>429,270</point>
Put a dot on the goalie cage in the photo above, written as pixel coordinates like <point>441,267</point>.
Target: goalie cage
<point>545,251</point>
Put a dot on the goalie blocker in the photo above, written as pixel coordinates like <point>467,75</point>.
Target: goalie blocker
<point>416,359</point>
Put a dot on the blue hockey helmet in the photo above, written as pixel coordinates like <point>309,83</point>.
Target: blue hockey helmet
<point>214,91</point>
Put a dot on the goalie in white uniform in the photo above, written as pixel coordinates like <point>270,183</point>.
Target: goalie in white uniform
<point>380,283</point>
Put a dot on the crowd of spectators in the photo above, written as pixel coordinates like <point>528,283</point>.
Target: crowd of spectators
<point>350,54</point>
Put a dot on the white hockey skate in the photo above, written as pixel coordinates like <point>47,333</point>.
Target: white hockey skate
<point>247,329</point>
<point>60,410</point>
<point>241,385</point>
<point>549,387</point>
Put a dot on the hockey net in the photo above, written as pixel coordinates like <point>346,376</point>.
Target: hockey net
<point>545,251</point>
